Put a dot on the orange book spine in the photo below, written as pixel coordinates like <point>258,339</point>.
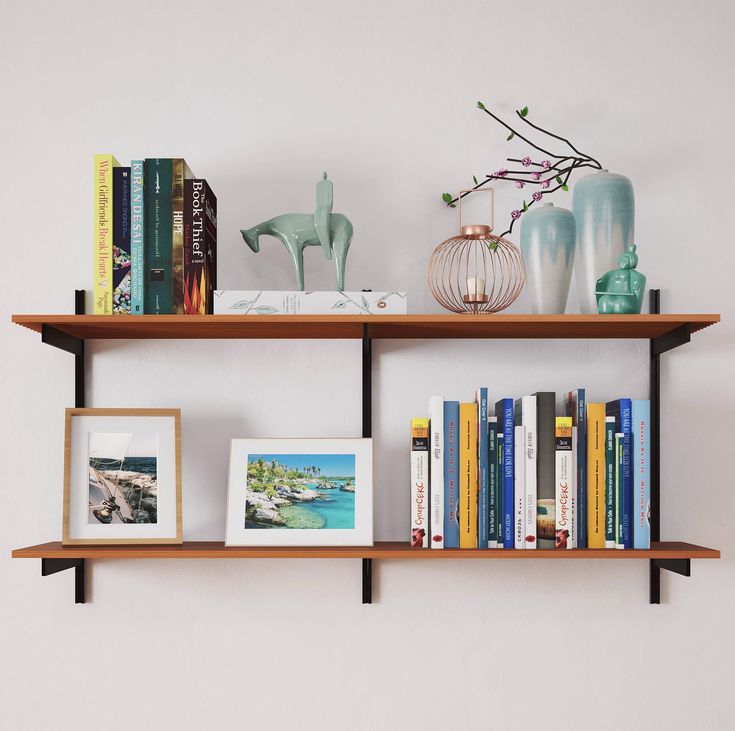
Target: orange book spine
<point>468,475</point>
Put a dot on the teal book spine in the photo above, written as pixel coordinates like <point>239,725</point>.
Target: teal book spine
<point>482,469</point>
<point>158,254</point>
<point>137,238</point>
<point>610,465</point>
<point>492,482</point>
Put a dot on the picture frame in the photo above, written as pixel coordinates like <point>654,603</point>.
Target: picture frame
<point>122,477</point>
<point>300,492</point>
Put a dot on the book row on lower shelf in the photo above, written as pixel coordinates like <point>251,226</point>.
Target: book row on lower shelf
<point>155,238</point>
<point>517,475</point>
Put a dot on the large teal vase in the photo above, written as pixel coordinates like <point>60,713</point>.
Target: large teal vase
<point>604,209</point>
<point>547,243</point>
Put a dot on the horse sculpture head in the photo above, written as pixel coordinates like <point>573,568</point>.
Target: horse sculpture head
<point>251,238</point>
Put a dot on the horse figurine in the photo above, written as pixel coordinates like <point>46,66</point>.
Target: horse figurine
<point>331,231</point>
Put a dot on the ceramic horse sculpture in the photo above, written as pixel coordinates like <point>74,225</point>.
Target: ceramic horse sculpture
<point>331,231</point>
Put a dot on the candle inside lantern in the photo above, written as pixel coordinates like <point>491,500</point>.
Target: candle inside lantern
<point>475,288</point>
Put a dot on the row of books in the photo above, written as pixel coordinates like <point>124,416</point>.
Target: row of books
<point>519,476</point>
<point>155,238</point>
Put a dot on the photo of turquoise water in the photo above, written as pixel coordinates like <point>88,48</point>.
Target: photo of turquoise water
<point>307,491</point>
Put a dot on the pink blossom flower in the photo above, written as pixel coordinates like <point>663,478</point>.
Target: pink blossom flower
<point>545,164</point>
<point>544,183</point>
<point>536,176</point>
<point>526,161</point>
<point>538,196</point>
<point>520,184</point>
<point>501,173</point>
<point>515,215</point>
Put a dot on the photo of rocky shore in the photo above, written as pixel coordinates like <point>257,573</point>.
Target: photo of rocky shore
<point>300,491</point>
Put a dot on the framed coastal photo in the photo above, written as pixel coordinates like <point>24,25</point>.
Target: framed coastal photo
<point>300,492</point>
<point>122,476</point>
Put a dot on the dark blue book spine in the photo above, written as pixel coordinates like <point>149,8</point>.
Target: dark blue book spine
<point>451,474</point>
<point>504,414</point>
<point>577,409</point>
<point>500,513</point>
<point>483,531</point>
<point>622,410</point>
<point>492,482</point>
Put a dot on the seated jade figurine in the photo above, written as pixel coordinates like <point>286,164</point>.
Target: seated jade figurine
<point>620,292</point>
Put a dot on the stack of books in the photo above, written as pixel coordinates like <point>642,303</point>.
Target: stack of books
<point>517,475</point>
<point>155,238</point>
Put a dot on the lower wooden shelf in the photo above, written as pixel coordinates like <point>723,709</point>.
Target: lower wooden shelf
<point>382,550</point>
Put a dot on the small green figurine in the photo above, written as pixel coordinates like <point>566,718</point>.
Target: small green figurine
<point>620,291</point>
<point>331,231</point>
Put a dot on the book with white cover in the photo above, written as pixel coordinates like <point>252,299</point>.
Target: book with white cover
<point>436,467</point>
<point>526,415</point>
<point>247,302</point>
<point>519,484</point>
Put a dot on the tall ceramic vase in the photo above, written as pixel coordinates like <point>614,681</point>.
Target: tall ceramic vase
<point>604,210</point>
<point>547,243</point>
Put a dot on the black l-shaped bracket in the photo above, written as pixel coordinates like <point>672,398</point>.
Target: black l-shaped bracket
<point>54,565</point>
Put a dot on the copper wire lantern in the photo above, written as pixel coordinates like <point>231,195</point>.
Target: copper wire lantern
<point>476,272</point>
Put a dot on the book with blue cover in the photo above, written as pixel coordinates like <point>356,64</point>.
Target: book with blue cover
<point>482,469</point>
<point>137,238</point>
<point>492,482</point>
<point>504,415</point>
<point>641,418</point>
<point>451,473</point>
<point>610,472</point>
<point>577,409</point>
<point>622,410</point>
<point>500,513</point>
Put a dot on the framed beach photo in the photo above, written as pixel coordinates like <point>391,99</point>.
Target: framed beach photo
<point>122,476</point>
<point>300,492</point>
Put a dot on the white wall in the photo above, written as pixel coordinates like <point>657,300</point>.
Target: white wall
<point>260,98</point>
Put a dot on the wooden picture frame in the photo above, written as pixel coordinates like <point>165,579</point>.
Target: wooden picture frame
<point>116,522</point>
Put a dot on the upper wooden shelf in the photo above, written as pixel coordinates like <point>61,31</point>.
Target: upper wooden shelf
<point>374,326</point>
<point>662,550</point>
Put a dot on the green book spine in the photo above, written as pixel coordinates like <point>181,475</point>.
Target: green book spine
<point>492,474</point>
<point>619,489</point>
<point>158,289</point>
<point>610,463</point>
<point>499,489</point>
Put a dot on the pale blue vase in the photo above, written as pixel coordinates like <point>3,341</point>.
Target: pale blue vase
<point>604,209</point>
<point>547,243</point>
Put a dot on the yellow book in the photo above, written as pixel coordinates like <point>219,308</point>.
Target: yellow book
<point>596,475</point>
<point>103,165</point>
<point>467,475</point>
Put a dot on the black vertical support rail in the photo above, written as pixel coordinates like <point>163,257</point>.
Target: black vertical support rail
<point>79,384</point>
<point>367,432</point>
<point>655,396</point>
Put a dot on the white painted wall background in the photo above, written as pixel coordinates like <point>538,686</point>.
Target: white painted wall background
<point>260,98</point>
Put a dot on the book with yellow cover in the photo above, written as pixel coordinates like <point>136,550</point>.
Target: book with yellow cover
<point>103,165</point>
<point>595,475</point>
<point>468,475</point>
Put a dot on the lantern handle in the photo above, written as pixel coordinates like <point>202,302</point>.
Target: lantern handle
<point>491,193</point>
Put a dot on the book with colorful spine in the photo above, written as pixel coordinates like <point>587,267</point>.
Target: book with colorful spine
<point>482,466</point>
<point>121,241</point>
<point>500,488</point>
<point>180,172</point>
<point>619,490</point>
<point>595,475</point>
<point>504,415</point>
<point>610,474</point>
<point>492,481</point>
<point>137,238</point>
<point>577,408</point>
<point>622,410</point>
<point>563,478</point>
<point>419,483</point>
<point>468,475</point>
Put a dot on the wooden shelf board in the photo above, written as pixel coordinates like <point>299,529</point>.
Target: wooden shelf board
<point>378,326</point>
<point>386,550</point>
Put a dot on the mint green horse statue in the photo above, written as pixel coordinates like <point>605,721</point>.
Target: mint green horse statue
<point>331,231</point>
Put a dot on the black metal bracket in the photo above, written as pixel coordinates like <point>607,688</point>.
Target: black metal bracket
<point>367,431</point>
<point>680,566</point>
<point>54,565</point>
<point>71,344</point>
<point>367,580</point>
<point>670,340</point>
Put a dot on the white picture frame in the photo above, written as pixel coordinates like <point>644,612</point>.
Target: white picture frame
<point>268,504</point>
<point>122,477</point>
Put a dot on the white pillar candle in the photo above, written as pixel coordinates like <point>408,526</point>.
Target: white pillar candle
<point>475,287</point>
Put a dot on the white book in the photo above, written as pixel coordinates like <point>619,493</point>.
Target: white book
<point>563,478</point>
<point>436,465</point>
<point>526,416</point>
<point>573,504</point>
<point>262,302</point>
<point>519,483</point>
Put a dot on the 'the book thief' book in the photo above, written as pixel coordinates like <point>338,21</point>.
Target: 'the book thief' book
<point>436,477</point>
<point>468,475</point>
<point>419,483</point>
<point>103,232</point>
<point>564,476</point>
<point>451,474</point>
<point>200,240</point>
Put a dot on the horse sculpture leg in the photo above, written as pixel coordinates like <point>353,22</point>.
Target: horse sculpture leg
<point>340,257</point>
<point>297,254</point>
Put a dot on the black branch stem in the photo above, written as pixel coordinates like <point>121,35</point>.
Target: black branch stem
<point>519,135</point>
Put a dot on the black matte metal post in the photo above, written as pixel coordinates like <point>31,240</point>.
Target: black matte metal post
<point>655,395</point>
<point>367,432</point>
<point>79,385</point>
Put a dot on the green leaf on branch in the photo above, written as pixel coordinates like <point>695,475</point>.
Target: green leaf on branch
<point>559,180</point>
<point>492,245</point>
<point>510,136</point>
<point>447,197</point>
<point>474,179</point>
<point>525,207</point>
<point>565,187</point>
<point>480,105</point>
<point>524,112</point>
